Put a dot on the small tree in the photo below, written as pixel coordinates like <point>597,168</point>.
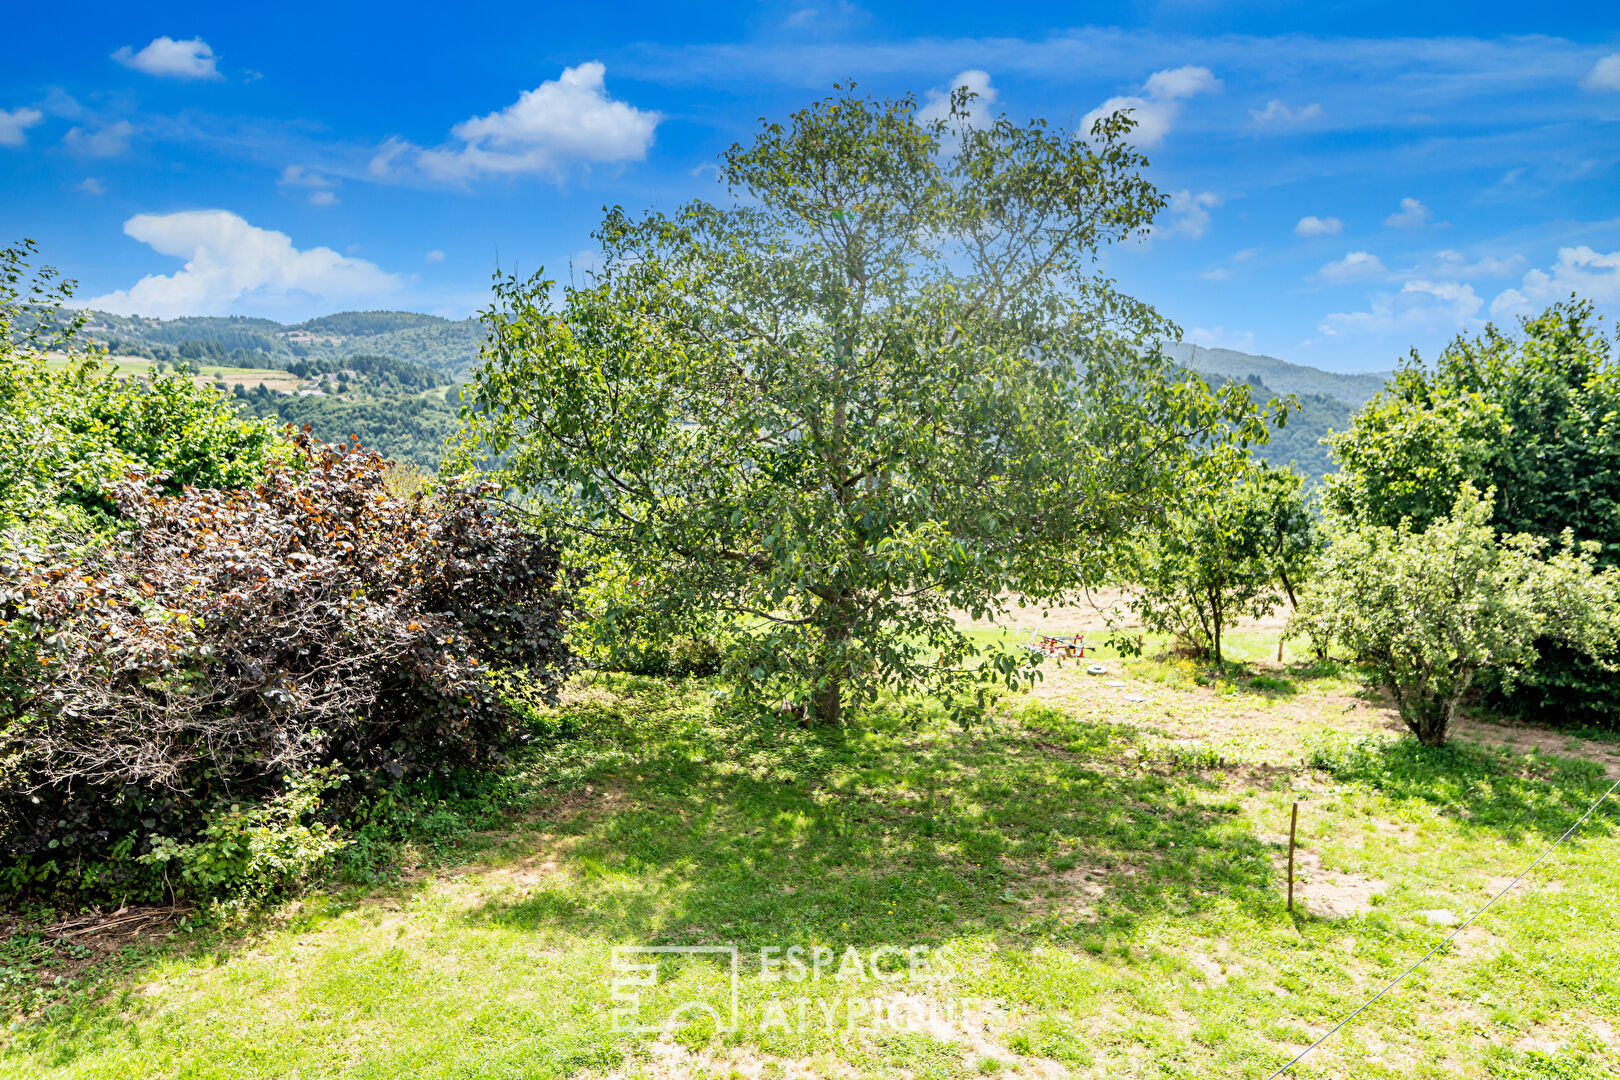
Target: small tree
<point>1430,611</point>
<point>886,383</point>
<point>1237,543</point>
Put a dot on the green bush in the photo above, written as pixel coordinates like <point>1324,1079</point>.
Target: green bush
<point>256,849</point>
<point>1430,611</point>
<point>69,430</point>
<point>1531,415</point>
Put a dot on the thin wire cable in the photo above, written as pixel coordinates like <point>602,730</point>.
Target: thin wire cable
<point>1447,939</point>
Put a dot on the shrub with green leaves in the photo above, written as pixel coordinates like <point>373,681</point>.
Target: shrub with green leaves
<point>1534,415</point>
<point>1239,542</point>
<point>252,850</point>
<point>68,428</point>
<point>1430,611</point>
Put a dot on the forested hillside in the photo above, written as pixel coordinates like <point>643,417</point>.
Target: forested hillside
<point>447,346</point>
<point>1327,400</point>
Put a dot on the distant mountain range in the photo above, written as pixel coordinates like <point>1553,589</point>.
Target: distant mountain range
<point>1280,375</point>
<point>1327,400</point>
<point>445,345</point>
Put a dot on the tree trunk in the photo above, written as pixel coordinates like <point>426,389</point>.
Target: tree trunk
<point>829,700</point>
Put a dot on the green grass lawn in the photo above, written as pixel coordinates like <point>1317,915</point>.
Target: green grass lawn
<point>1095,883</point>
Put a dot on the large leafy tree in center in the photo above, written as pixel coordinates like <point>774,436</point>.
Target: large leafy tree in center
<point>885,383</point>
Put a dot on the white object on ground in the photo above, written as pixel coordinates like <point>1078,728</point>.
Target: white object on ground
<point>1134,697</point>
<point>1096,669</point>
<point>1439,917</point>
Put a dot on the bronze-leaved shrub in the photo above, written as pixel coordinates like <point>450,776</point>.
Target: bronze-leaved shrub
<point>229,640</point>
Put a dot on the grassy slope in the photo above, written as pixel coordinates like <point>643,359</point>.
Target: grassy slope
<point>1106,874</point>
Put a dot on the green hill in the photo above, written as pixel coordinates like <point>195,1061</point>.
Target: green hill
<point>1327,400</point>
<point>1280,375</point>
<point>448,346</point>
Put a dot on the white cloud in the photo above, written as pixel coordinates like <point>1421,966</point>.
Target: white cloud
<point>1605,74</point>
<point>1181,82</point>
<point>1355,266</point>
<point>1189,213</point>
<point>1279,114</point>
<point>560,122</point>
<point>938,106</point>
<point>1455,265</point>
<point>232,266</point>
<point>434,256</point>
<point>1244,254</point>
<point>1155,113</point>
<point>320,187</point>
<point>168,58</point>
<point>1579,270</point>
<point>1420,306</point>
<point>92,185</point>
<point>1311,225</point>
<point>14,122</point>
<point>1411,215</point>
<point>107,141</point>
<point>1219,273</point>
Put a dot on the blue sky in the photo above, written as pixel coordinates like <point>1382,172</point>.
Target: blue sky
<point>1347,181</point>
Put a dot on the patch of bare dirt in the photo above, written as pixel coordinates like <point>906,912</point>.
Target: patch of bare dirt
<point>1523,739</point>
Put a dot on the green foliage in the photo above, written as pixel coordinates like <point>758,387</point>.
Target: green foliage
<point>887,382</point>
<point>1429,611</point>
<point>411,429</point>
<point>1238,542</point>
<point>1300,441</point>
<point>254,850</point>
<point>68,432</point>
<point>1537,417</point>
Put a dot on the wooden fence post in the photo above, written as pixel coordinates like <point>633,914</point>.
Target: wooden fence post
<point>1293,828</point>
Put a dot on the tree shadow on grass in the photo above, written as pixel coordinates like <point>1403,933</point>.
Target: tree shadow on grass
<point>1512,794</point>
<point>898,834</point>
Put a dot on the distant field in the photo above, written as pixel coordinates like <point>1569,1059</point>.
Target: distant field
<point>141,368</point>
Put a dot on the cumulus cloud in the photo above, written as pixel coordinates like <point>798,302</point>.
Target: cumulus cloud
<point>1444,306</point>
<point>232,266</point>
<point>1356,266</point>
<point>1605,75</point>
<point>170,59</point>
<point>106,141</point>
<point>1311,225</point>
<point>1189,212</point>
<point>319,187</point>
<point>1411,215</point>
<point>1579,270</point>
<point>92,185</point>
<point>938,106</point>
<point>563,121</point>
<point>1280,114</point>
<point>1157,110</point>
<point>434,256</point>
<point>1455,265</point>
<point>14,122</point>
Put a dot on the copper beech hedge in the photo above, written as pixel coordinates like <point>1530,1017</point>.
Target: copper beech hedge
<point>229,639</point>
